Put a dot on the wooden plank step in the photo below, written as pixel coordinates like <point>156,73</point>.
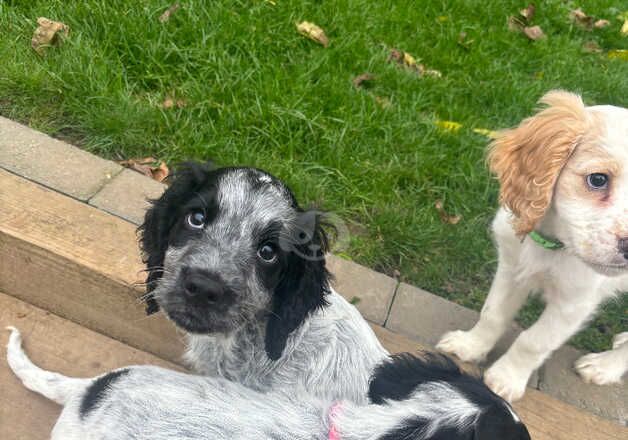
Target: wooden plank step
<point>56,344</point>
<point>71,259</point>
<point>78,262</point>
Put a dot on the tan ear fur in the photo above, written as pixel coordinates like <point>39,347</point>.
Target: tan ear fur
<point>528,159</point>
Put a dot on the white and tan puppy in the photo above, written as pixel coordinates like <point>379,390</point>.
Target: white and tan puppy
<point>562,229</point>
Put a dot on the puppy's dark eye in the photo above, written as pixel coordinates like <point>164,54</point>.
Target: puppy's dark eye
<point>267,252</point>
<point>195,220</point>
<point>597,181</point>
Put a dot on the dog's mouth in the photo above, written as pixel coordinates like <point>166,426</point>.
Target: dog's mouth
<point>196,325</point>
<point>609,269</point>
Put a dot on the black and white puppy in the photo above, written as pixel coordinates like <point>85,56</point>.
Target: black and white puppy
<point>430,399</point>
<point>236,263</point>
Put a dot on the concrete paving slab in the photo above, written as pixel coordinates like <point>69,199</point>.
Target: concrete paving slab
<point>127,194</point>
<point>560,380</point>
<point>371,292</point>
<point>52,163</point>
<point>426,317</point>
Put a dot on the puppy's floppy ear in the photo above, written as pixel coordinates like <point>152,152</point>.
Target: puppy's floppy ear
<point>528,159</point>
<point>160,218</point>
<point>303,285</point>
<point>496,423</point>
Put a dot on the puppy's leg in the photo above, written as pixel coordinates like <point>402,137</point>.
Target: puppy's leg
<point>607,367</point>
<point>504,300</point>
<point>510,374</point>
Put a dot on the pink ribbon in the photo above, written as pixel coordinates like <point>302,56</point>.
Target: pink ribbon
<point>334,412</point>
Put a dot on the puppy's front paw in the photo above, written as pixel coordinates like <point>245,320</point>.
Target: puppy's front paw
<point>601,368</point>
<point>465,345</point>
<point>506,380</point>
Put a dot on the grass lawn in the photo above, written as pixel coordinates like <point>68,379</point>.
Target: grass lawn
<point>256,92</point>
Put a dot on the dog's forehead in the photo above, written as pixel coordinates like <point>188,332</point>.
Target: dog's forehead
<point>248,191</point>
<point>615,128</point>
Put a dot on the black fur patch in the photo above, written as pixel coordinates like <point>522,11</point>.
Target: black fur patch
<point>302,289</point>
<point>397,377</point>
<point>97,391</point>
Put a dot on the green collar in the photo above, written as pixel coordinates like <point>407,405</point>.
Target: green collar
<point>545,242</point>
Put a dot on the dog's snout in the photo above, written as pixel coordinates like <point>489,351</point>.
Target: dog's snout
<point>623,247</point>
<point>202,285</point>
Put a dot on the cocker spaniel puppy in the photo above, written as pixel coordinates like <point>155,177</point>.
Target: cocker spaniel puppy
<point>236,263</point>
<point>427,399</point>
<point>563,230</point>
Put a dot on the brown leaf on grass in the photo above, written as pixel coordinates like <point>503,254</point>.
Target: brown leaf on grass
<point>599,24</point>
<point>581,19</point>
<point>161,172</point>
<point>170,102</point>
<point>515,24</point>
<point>528,13</point>
<point>591,47</point>
<point>446,218</point>
<point>168,12</point>
<point>48,33</point>
<point>313,32</point>
<point>406,60</point>
<point>148,166</point>
<point>534,33</point>
<point>361,80</point>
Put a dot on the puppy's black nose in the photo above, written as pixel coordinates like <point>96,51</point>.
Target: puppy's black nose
<point>202,285</point>
<point>623,247</point>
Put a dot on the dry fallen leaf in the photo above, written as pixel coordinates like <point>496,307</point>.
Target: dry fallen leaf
<point>430,72</point>
<point>599,24</point>
<point>515,24</point>
<point>591,47</point>
<point>409,62</point>
<point>624,28</point>
<point>48,33</point>
<point>528,13</point>
<point>170,102</point>
<point>451,126</point>
<point>360,80</point>
<point>534,33</point>
<point>161,172</point>
<point>147,166</point>
<point>446,218</point>
<point>168,12</point>
<point>313,32</point>
<point>580,18</point>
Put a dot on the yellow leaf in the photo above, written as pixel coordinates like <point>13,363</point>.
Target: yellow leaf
<point>624,28</point>
<point>451,126</point>
<point>48,33</point>
<point>313,32</point>
<point>486,132</point>
<point>618,54</point>
<point>408,60</point>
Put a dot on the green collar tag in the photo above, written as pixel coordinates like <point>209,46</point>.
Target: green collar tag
<point>546,243</point>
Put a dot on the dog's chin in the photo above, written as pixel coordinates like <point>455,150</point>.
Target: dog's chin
<point>609,270</point>
<point>198,326</point>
